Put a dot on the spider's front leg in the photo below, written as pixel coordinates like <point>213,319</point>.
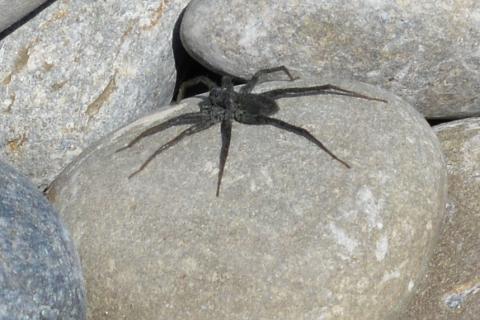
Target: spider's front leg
<point>193,82</point>
<point>227,83</point>
<point>226,130</point>
<point>248,87</point>
<point>323,89</point>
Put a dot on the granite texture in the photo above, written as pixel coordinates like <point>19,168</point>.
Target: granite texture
<point>451,288</point>
<point>40,274</point>
<point>77,71</point>
<point>12,11</point>
<point>425,51</point>
<point>293,235</point>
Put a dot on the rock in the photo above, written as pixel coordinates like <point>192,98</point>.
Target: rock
<point>68,77</point>
<point>425,51</point>
<point>451,289</point>
<point>293,234</point>
<point>11,12</point>
<point>40,275</point>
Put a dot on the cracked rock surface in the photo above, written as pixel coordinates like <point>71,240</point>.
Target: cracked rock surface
<point>451,289</point>
<point>293,234</point>
<point>76,72</point>
<point>40,275</point>
<point>424,51</point>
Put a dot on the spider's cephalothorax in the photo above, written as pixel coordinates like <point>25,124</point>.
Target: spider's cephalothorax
<point>224,105</point>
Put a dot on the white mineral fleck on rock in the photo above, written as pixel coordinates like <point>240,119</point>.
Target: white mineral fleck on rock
<point>369,206</point>
<point>390,276</point>
<point>382,248</point>
<point>343,239</point>
<point>411,284</point>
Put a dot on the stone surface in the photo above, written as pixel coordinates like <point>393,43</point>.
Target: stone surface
<point>451,289</point>
<point>425,51</point>
<point>293,235</point>
<point>40,275</point>
<point>68,77</point>
<point>12,11</point>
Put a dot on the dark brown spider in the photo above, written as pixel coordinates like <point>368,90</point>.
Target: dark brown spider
<point>224,105</point>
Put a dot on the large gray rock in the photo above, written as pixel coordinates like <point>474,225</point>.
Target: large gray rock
<point>293,235</point>
<point>40,275</point>
<point>425,51</point>
<point>451,289</point>
<point>77,71</point>
<point>12,11</point>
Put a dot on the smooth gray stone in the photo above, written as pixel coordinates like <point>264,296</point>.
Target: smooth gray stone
<point>451,289</point>
<point>12,11</point>
<point>77,71</point>
<point>40,274</point>
<point>293,234</point>
<point>425,51</point>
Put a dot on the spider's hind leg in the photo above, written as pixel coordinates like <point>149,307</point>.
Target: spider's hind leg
<point>188,132</point>
<point>187,118</point>
<point>264,120</point>
<point>248,87</point>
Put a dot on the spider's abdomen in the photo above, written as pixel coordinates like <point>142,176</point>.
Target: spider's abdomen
<point>257,104</point>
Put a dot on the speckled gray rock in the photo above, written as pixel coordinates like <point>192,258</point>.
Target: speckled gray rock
<point>77,71</point>
<point>452,286</point>
<point>40,275</point>
<point>293,235</point>
<point>12,11</point>
<point>425,51</point>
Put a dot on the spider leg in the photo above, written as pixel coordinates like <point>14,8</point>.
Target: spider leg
<point>248,87</point>
<point>188,132</point>
<point>324,89</point>
<point>227,83</point>
<point>187,118</point>
<point>261,120</point>
<point>226,129</point>
<point>193,82</point>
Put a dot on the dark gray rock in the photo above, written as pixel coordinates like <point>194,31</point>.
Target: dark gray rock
<point>12,11</point>
<point>293,235</point>
<point>425,51</point>
<point>79,70</point>
<point>40,275</point>
<point>451,288</point>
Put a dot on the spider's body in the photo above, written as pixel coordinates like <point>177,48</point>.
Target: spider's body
<point>233,106</point>
<point>224,105</point>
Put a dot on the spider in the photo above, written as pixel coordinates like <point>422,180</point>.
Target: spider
<point>224,105</point>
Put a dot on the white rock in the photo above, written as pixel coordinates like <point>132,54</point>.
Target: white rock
<point>425,51</point>
<point>451,288</point>
<point>77,71</point>
<point>12,11</point>
<point>293,235</point>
